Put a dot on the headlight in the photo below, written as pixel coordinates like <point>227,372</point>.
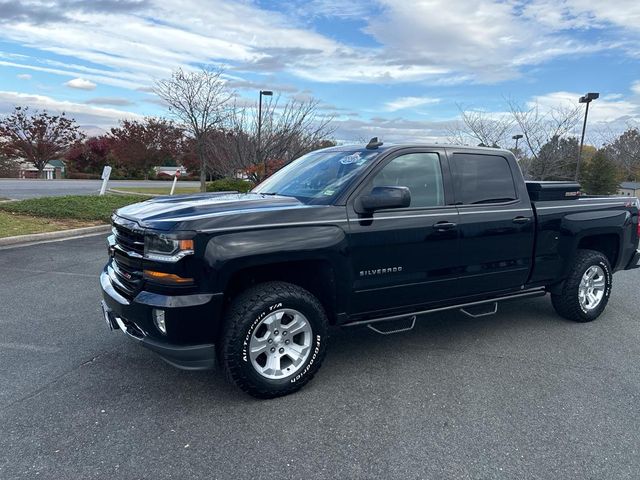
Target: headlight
<point>166,248</point>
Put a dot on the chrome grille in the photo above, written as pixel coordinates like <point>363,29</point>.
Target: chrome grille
<point>129,240</point>
<point>126,268</point>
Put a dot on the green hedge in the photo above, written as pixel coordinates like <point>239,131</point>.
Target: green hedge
<point>229,184</point>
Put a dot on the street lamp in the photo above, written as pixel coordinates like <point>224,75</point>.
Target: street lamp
<point>516,138</point>
<point>588,98</point>
<point>266,93</point>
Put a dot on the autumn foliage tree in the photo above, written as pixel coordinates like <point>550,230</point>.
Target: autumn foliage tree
<point>138,146</point>
<point>89,156</point>
<point>37,137</point>
<point>624,151</point>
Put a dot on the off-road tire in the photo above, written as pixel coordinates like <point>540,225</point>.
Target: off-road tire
<point>567,303</point>
<point>242,318</point>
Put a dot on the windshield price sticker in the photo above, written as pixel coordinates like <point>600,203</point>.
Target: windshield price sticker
<point>353,158</point>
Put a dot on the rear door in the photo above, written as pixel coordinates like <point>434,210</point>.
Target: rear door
<point>496,223</point>
<point>404,256</point>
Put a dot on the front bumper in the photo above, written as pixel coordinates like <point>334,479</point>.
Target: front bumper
<point>191,323</point>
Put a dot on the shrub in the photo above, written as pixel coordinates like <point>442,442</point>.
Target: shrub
<point>229,184</point>
<point>82,176</point>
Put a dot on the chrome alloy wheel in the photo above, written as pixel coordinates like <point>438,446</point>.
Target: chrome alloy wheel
<point>592,287</point>
<point>280,344</point>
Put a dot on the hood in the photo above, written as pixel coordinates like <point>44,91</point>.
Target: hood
<point>184,211</point>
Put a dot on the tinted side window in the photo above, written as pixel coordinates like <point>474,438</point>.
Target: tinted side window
<point>482,179</point>
<point>420,172</point>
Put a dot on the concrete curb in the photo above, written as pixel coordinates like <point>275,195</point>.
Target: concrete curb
<point>123,192</point>
<point>38,237</point>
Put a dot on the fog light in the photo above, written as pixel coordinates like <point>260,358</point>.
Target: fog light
<point>158,319</point>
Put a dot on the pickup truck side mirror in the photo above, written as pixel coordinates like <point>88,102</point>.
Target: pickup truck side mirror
<point>384,197</point>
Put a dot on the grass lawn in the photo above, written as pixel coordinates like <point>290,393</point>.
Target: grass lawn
<point>159,190</point>
<point>12,224</point>
<point>73,207</point>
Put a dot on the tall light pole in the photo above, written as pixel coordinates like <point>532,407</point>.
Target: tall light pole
<point>588,98</point>
<point>266,93</point>
<point>516,138</point>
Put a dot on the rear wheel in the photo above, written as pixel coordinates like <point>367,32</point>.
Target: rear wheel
<point>586,291</point>
<point>274,339</point>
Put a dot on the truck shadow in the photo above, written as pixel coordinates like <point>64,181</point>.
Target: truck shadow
<point>351,351</point>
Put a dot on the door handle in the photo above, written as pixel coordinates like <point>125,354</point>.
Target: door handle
<point>444,226</point>
<point>521,220</point>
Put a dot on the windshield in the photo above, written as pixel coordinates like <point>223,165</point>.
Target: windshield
<point>317,177</point>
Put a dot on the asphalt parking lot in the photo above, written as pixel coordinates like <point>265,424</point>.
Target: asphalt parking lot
<point>521,394</point>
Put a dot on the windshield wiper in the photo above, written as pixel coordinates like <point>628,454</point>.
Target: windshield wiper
<point>268,193</point>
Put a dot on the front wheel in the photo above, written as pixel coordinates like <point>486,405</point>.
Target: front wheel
<point>274,339</point>
<point>586,291</point>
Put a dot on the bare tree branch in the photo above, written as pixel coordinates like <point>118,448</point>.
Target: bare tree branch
<point>200,101</point>
<point>482,128</point>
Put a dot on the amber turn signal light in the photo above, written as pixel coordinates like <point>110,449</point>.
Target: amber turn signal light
<point>186,244</point>
<point>167,278</point>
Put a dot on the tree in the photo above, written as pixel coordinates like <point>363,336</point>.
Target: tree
<point>200,102</point>
<point>483,128</point>
<point>8,167</point>
<point>624,151</point>
<point>539,126</point>
<point>288,131</point>
<point>599,176</point>
<point>556,160</point>
<point>90,156</point>
<point>138,146</point>
<point>37,137</point>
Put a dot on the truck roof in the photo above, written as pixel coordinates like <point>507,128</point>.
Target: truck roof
<point>395,146</point>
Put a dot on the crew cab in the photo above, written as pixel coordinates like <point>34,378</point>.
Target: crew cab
<point>369,235</point>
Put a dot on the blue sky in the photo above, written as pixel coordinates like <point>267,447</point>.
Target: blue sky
<point>398,69</point>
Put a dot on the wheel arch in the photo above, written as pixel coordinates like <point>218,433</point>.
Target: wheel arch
<point>602,231</point>
<point>316,275</point>
<point>606,243</point>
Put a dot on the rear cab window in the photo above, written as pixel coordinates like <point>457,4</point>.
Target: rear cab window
<point>482,179</point>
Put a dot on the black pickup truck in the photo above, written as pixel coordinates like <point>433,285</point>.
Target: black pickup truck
<point>369,235</point>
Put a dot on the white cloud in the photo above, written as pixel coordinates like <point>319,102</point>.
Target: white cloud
<point>107,78</point>
<point>115,101</point>
<point>396,130</point>
<point>610,115</point>
<point>409,102</point>
<point>635,88</point>
<point>568,14</point>
<point>487,39</point>
<point>437,41</point>
<point>24,76</point>
<point>81,84</point>
<point>84,114</point>
<point>600,111</point>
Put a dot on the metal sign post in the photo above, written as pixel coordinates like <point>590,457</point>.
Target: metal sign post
<point>175,179</point>
<point>106,173</point>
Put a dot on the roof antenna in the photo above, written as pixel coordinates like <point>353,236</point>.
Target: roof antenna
<point>374,143</point>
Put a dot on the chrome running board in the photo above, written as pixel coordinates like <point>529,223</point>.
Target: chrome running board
<point>535,292</point>
<point>397,330</point>
<point>493,311</point>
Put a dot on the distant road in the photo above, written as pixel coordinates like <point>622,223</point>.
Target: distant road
<point>20,189</point>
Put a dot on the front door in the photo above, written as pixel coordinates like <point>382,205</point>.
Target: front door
<point>404,256</point>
